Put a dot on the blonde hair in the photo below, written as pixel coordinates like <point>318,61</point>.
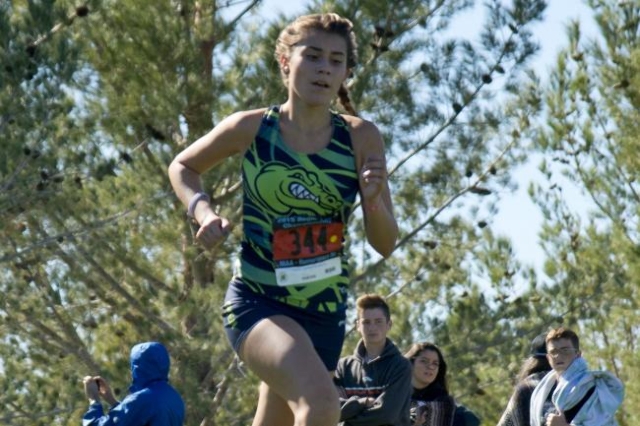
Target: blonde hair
<point>331,23</point>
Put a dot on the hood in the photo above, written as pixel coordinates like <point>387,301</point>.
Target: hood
<point>149,363</point>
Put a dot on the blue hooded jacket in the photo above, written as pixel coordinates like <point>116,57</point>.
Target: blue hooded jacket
<point>152,401</point>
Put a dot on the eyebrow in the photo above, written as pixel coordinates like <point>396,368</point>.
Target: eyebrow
<point>317,49</point>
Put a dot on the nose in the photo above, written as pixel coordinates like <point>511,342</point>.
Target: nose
<point>323,67</point>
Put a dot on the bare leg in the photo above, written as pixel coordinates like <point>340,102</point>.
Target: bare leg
<point>297,388</point>
<point>272,409</point>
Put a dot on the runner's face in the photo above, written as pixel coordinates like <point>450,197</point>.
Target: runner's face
<point>317,66</point>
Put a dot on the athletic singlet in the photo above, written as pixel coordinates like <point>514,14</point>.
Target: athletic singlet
<point>295,210</point>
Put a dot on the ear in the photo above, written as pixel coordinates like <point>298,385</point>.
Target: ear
<point>283,61</point>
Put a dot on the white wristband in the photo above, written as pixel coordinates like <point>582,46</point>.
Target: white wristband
<point>198,196</point>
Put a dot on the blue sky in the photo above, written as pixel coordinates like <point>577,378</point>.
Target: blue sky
<point>518,217</point>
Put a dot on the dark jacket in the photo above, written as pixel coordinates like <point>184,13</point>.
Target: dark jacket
<point>440,408</point>
<point>386,378</point>
<point>151,401</point>
<point>436,404</point>
<point>465,417</point>
<point>517,411</point>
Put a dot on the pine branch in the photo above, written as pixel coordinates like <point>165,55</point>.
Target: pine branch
<point>7,420</point>
<point>407,238</point>
<point>130,299</point>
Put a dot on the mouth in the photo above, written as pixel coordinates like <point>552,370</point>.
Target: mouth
<point>321,84</point>
<point>302,193</point>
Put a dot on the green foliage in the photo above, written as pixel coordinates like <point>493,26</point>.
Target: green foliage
<point>97,254</point>
<point>590,132</point>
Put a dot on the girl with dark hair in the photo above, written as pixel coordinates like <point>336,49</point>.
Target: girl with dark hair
<point>533,369</point>
<point>303,166</point>
<point>431,404</point>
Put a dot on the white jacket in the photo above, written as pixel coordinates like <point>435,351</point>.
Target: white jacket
<point>573,384</point>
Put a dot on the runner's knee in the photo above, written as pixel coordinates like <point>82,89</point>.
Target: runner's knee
<point>320,408</point>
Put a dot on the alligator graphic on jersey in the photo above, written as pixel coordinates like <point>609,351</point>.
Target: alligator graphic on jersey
<point>290,190</point>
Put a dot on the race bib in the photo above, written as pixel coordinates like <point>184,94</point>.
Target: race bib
<point>306,251</point>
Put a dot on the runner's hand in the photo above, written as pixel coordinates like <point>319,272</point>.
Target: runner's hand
<point>373,177</point>
<point>213,230</point>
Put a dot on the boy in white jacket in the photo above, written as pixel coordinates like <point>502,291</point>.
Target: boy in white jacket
<point>571,394</point>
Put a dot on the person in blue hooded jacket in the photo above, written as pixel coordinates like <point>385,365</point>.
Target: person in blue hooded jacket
<point>151,401</point>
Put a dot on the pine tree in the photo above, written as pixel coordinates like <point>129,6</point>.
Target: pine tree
<point>97,99</point>
<point>589,137</point>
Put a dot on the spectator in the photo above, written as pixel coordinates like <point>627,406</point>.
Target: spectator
<point>374,383</point>
<point>151,401</point>
<point>534,368</point>
<point>571,394</point>
<point>431,404</point>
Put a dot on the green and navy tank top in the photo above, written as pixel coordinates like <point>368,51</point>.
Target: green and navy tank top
<point>295,210</point>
